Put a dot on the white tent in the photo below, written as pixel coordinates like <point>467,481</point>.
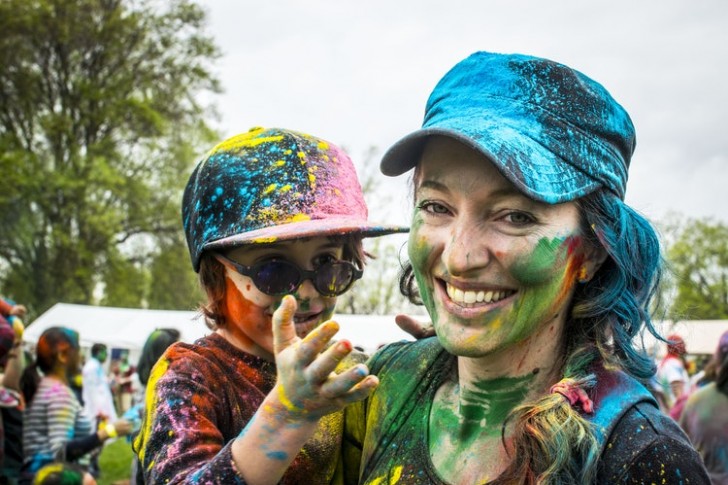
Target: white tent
<point>128,328</point>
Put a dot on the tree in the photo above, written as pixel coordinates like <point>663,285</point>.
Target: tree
<point>698,261</point>
<point>99,121</point>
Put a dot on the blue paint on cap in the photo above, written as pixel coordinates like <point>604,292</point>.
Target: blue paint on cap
<point>556,134</point>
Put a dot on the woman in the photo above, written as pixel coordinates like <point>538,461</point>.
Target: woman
<point>55,428</point>
<point>266,213</point>
<point>705,417</point>
<point>537,277</point>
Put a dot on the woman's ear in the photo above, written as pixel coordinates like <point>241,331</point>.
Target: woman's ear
<point>593,260</point>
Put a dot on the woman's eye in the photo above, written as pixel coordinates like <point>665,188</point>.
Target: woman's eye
<point>519,218</point>
<point>433,207</point>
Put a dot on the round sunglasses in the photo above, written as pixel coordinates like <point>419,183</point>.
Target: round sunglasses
<point>280,277</point>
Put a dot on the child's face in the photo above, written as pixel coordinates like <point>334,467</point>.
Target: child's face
<point>249,310</point>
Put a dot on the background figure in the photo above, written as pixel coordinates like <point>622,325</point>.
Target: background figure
<point>672,373</point>
<point>55,427</point>
<point>705,418</point>
<point>12,361</point>
<point>125,382</point>
<point>63,474</point>
<point>154,347</point>
<point>97,399</point>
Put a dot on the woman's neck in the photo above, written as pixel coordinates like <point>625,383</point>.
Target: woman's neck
<point>490,387</point>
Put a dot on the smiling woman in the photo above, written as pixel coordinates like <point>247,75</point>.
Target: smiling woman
<point>537,277</point>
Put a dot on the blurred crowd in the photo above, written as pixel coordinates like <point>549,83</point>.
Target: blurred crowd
<point>60,407</point>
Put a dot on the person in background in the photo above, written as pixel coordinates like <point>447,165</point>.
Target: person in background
<point>97,399</point>
<point>705,417</point>
<point>672,373</point>
<point>55,428</point>
<point>11,333</point>
<point>125,382</point>
<point>537,277</point>
<point>63,474</point>
<point>98,403</point>
<point>12,361</point>
<point>267,213</point>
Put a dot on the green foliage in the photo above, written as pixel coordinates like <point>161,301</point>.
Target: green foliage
<point>698,258</point>
<point>99,124</point>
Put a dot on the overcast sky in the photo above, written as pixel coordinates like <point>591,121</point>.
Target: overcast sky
<point>359,73</point>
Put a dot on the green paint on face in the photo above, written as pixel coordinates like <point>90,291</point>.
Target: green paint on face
<point>539,265</point>
<point>543,279</point>
<point>419,253</point>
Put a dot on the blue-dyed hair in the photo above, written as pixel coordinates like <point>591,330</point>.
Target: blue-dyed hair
<point>617,303</point>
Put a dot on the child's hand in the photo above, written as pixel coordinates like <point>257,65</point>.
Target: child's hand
<point>306,387</point>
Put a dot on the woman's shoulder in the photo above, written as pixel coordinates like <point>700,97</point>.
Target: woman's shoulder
<point>645,447</point>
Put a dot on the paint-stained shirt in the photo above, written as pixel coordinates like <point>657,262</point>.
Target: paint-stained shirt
<point>386,436</point>
<point>705,420</point>
<point>199,398</point>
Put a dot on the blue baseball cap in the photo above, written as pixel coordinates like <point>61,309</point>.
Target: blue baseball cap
<point>556,134</point>
<point>273,184</point>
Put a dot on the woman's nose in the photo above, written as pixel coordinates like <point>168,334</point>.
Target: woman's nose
<point>466,249</point>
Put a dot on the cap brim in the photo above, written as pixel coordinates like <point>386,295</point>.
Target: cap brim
<point>306,229</point>
<point>527,164</point>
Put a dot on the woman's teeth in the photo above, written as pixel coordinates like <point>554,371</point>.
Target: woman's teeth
<point>459,296</point>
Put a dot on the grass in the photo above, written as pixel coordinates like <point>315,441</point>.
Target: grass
<point>115,462</point>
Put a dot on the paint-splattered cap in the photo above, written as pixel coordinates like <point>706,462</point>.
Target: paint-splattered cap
<point>271,185</point>
<point>556,134</point>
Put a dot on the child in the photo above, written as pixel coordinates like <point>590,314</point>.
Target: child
<point>267,213</point>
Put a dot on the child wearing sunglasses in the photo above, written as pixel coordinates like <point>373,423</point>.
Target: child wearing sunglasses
<point>267,213</point>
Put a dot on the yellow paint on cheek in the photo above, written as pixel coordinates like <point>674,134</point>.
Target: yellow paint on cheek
<point>270,189</point>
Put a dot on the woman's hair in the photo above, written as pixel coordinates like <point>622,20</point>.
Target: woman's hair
<point>52,342</point>
<point>154,347</point>
<point>212,277</point>
<point>552,442</point>
<point>60,473</point>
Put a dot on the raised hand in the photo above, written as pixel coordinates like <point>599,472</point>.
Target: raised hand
<point>307,387</point>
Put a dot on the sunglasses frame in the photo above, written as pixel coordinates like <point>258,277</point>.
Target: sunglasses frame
<point>304,274</point>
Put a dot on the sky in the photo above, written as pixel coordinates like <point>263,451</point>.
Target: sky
<point>359,73</point>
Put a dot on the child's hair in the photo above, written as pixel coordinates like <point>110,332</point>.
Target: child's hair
<point>60,473</point>
<point>212,277</point>
<point>52,342</point>
<point>552,442</point>
<point>154,347</point>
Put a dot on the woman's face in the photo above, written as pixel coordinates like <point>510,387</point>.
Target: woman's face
<point>493,266</point>
<point>249,310</point>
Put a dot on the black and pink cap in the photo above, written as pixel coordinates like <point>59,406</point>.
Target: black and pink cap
<point>271,185</point>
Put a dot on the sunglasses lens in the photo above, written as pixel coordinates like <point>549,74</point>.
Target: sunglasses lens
<point>276,277</point>
<point>334,278</point>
